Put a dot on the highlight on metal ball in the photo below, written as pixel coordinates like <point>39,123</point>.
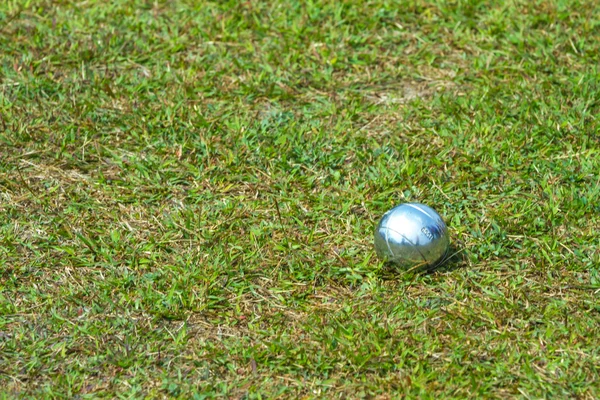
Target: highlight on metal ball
<point>412,236</point>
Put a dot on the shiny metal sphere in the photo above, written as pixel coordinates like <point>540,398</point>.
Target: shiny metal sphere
<point>412,236</point>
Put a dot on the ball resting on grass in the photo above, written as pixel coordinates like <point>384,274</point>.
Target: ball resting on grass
<point>412,236</point>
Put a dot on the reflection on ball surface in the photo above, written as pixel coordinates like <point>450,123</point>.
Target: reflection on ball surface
<point>412,236</point>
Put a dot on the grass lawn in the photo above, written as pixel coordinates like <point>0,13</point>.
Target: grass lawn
<point>188,192</point>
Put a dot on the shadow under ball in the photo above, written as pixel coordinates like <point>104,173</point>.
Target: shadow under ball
<point>412,236</point>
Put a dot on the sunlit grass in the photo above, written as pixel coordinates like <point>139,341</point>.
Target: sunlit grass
<point>188,192</point>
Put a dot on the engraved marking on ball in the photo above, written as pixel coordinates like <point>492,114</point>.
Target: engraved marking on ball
<point>427,233</point>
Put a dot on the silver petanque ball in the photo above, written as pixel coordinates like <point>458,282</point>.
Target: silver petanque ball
<point>412,236</point>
